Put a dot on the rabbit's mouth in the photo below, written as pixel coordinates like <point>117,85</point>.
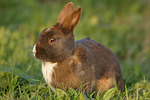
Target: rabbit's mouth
<point>37,54</point>
<point>34,50</point>
<point>40,54</point>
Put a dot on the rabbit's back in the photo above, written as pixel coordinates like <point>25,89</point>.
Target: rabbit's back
<point>106,64</point>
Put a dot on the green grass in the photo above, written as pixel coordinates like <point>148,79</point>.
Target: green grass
<point>121,25</point>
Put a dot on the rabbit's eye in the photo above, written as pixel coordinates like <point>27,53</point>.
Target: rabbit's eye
<point>52,40</point>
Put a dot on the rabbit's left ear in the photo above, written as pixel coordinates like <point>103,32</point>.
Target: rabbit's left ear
<point>71,20</point>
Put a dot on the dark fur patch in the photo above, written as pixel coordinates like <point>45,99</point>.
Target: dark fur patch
<point>57,51</point>
<point>64,30</point>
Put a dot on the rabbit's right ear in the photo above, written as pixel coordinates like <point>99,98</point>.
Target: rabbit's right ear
<point>67,10</point>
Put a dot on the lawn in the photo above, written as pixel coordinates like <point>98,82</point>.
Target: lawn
<point>121,25</point>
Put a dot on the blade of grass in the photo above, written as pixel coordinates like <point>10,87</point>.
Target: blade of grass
<point>126,90</point>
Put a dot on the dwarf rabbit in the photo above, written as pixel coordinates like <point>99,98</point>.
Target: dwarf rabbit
<point>70,63</point>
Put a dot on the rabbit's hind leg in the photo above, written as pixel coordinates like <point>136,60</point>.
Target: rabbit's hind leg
<point>105,83</point>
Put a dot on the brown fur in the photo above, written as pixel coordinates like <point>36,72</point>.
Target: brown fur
<point>82,62</point>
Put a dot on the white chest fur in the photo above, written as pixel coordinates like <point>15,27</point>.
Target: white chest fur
<point>47,69</point>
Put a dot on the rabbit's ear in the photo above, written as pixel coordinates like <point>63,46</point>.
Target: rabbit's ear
<point>71,20</point>
<point>67,10</point>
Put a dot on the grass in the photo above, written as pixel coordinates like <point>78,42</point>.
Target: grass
<point>121,25</point>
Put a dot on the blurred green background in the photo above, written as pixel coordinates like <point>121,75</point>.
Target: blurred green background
<point>121,25</point>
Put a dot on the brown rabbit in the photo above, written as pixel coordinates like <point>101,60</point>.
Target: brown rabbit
<point>69,63</point>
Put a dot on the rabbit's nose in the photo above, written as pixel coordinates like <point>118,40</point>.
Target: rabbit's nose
<point>34,50</point>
